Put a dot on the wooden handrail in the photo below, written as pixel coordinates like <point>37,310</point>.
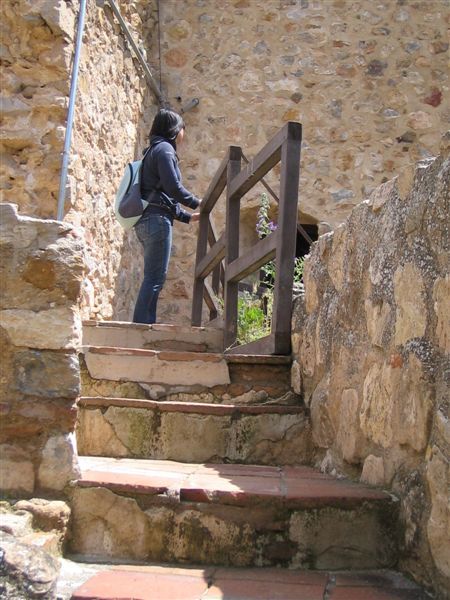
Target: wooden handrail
<point>219,180</point>
<point>211,259</point>
<point>265,160</point>
<point>300,229</point>
<point>256,257</point>
<point>279,245</point>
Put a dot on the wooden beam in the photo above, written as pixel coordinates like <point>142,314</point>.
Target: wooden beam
<point>211,302</point>
<point>282,343</point>
<point>212,258</point>
<point>258,255</point>
<point>265,160</point>
<point>219,180</point>
<point>287,234</point>
<point>231,253</point>
<point>197,295</point>
<point>262,346</point>
<point>218,276</point>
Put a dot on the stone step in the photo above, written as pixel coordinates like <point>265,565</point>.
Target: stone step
<point>186,376</point>
<point>158,582</point>
<point>153,337</point>
<point>193,432</point>
<point>165,367</point>
<point>229,515</point>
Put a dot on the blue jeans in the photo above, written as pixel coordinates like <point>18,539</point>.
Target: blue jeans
<point>154,231</point>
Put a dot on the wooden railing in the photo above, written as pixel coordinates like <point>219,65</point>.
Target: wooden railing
<point>223,259</point>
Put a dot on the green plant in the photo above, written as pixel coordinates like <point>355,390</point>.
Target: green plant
<point>253,322</point>
<point>255,311</point>
<point>265,226</point>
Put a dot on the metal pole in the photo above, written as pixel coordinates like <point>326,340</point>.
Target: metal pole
<point>73,91</point>
<point>154,86</point>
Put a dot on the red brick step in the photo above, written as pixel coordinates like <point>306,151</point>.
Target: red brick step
<point>167,583</point>
<point>229,515</point>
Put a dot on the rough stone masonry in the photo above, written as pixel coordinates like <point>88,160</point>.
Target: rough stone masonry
<point>371,342</point>
<point>40,328</point>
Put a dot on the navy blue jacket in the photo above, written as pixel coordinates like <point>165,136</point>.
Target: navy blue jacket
<point>161,182</point>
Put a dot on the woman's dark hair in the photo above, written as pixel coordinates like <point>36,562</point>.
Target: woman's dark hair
<point>167,124</point>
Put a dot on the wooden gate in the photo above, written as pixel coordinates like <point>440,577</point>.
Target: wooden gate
<point>220,255</point>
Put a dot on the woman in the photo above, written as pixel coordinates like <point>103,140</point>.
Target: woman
<point>161,186</point>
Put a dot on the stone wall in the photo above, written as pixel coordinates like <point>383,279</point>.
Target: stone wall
<point>368,80</point>
<point>112,116</point>
<point>42,271</point>
<point>114,111</point>
<point>371,341</point>
<point>37,40</point>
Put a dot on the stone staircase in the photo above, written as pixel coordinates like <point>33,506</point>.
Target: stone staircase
<point>192,457</point>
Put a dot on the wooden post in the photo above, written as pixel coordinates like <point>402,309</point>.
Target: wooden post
<point>216,274</point>
<point>231,248</point>
<point>199,282</point>
<point>286,239</point>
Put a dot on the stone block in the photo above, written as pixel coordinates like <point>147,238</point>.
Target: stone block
<point>296,377</point>
<point>397,403</point>
<point>109,525</point>
<point>377,406</point>
<point>336,261</point>
<point>349,437</point>
<point>307,350</point>
<point>438,526</point>
<point>148,366</point>
<point>441,294</point>
<point>405,180</point>
<point>377,318</point>
<point>48,515</point>
<point>381,195</point>
<point>373,471</point>
<point>414,399</point>
<point>59,463</point>
<point>97,437</point>
<point>326,538</point>
<point>16,476</point>
<point>311,295</point>
<point>47,374</point>
<point>60,19</point>
<point>27,571</point>
<point>53,329</point>
<point>442,429</point>
<point>58,413</point>
<point>323,427</point>
<point>181,434</point>
<point>16,524</point>
<point>411,312</point>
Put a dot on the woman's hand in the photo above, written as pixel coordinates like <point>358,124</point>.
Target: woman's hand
<point>195,217</point>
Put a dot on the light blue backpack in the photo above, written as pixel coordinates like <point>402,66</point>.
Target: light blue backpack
<point>129,204</point>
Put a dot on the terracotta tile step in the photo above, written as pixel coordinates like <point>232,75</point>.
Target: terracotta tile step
<point>176,355</point>
<point>172,583</point>
<point>231,515</point>
<point>295,487</point>
<point>193,431</point>
<point>201,408</point>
